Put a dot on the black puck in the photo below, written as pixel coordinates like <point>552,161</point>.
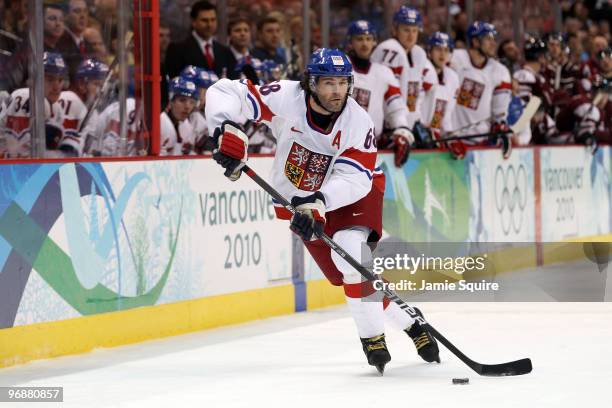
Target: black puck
<point>461,380</point>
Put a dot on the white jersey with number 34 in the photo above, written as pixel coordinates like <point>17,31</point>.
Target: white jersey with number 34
<point>15,135</point>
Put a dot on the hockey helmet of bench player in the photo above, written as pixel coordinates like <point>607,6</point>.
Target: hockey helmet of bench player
<point>408,16</point>
<point>440,39</point>
<point>91,68</point>
<point>479,29</point>
<point>359,27</point>
<point>533,48</point>
<point>54,64</point>
<point>182,87</point>
<point>201,77</point>
<point>270,71</point>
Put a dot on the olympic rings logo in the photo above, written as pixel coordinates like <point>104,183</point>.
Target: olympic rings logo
<point>511,196</point>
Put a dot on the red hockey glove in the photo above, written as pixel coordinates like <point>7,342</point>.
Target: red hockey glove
<point>457,149</point>
<point>402,140</point>
<point>231,152</point>
<point>309,218</point>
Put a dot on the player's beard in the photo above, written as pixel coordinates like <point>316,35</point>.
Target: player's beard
<point>333,105</point>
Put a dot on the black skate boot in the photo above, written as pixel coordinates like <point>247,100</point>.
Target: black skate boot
<point>375,349</point>
<point>426,345</point>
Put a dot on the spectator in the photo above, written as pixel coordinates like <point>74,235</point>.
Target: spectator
<point>165,35</point>
<point>269,37</point>
<point>509,55</point>
<point>95,46</point>
<point>76,20</point>
<point>199,48</point>
<point>53,26</point>
<point>72,43</point>
<point>239,32</point>
<point>14,19</point>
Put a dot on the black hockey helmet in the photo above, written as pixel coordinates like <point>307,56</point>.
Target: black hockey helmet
<point>556,36</point>
<point>533,48</point>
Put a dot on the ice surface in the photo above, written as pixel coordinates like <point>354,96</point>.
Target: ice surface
<point>314,359</point>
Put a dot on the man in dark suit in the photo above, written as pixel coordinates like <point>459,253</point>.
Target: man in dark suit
<point>199,48</point>
<point>72,42</point>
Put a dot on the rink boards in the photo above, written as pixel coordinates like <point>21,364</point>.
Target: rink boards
<point>99,254</point>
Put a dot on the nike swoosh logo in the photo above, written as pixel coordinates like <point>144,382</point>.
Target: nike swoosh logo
<point>357,214</point>
<point>295,130</point>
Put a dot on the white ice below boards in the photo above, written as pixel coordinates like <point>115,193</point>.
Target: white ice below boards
<point>314,359</point>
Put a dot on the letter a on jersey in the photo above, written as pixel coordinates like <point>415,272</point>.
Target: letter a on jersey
<point>336,141</point>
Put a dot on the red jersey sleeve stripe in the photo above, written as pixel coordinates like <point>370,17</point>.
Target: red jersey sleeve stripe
<point>71,123</point>
<point>397,70</point>
<point>427,86</point>
<point>366,159</point>
<point>391,91</point>
<point>503,86</point>
<point>266,112</point>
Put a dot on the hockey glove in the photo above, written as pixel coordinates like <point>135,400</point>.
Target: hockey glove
<point>231,151</point>
<point>309,218</point>
<point>402,139</point>
<point>457,149</point>
<point>502,137</point>
<point>424,136</point>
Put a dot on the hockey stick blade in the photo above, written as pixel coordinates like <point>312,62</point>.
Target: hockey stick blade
<point>530,110</point>
<point>511,368</point>
<point>518,367</point>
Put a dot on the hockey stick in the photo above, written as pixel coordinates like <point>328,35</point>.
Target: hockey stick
<point>517,367</point>
<point>10,35</point>
<point>528,112</point>
<point>506,144</point>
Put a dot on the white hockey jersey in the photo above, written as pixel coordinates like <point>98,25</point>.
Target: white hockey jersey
<point>199,127</point>
<point>412,69</point>
<point>108,129</point>
<point>176,140</point>
<point>439,104</point>
<point>338,162</point>
<point>74,111</point>
<point>484,94</point>
<point>377,91</point>
<point>15,135</point>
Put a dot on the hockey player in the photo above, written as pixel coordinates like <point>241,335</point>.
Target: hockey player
<point>377,91</point>
<point>107,133</point>
<point>176,129</point>
<point>15,135</point>
<point>439,105</point>
<point>88,80</point>
<point>324,163</point>
<point>407,60</point>
<point>203,79</point>
<point>485,85</point>
<point>530,82</point>
<point>560,71</point>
